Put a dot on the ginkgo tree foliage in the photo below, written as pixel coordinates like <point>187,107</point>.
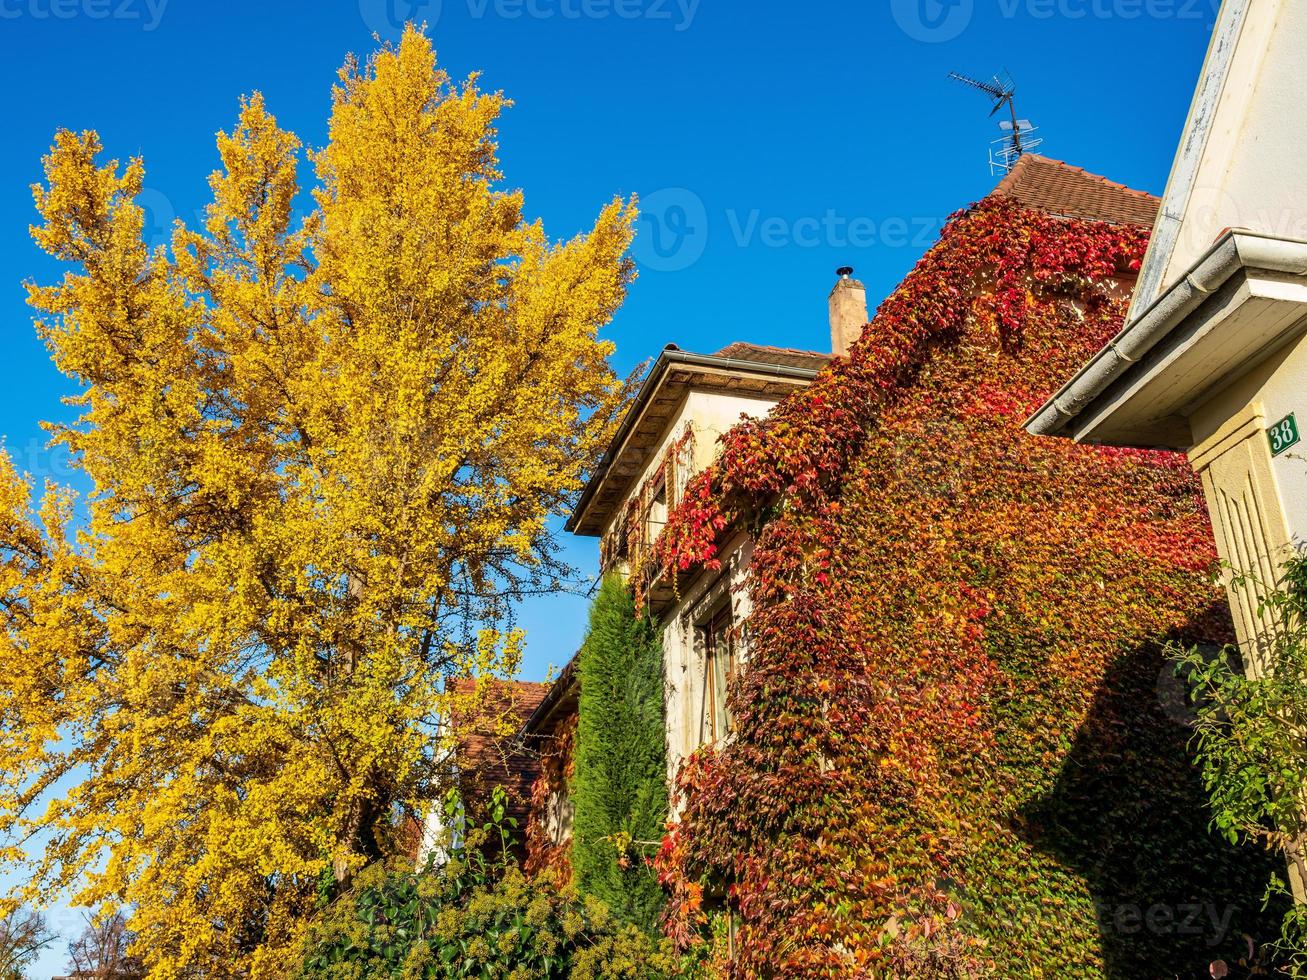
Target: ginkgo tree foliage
<point>323,453</point>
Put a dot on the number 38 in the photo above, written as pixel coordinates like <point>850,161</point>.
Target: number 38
<point>1283,435</point>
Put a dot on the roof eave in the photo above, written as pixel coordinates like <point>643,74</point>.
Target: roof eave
<point>558,691</point>
<point>649,388</point>
<point>1095,404</point>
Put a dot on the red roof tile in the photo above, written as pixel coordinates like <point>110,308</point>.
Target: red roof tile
<point>1059,188</point>
<point>763,354</point>
<point>487,753</point>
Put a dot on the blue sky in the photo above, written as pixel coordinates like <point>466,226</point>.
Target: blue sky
<point>770,142</point>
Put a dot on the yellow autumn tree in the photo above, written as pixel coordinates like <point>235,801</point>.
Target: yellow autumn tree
<point>323,455</point>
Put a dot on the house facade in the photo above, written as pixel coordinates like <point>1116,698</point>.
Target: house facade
<point>687,403</point>
<point>1212,359</point>
<point>944,640</point>
<point>670,433</point>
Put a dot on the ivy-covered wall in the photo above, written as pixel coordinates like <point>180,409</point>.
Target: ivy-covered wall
<point>620,784</point>
<point>548,825</point>
<point>957,748</point>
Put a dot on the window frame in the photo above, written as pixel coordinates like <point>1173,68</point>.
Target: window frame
<point>716,633</point>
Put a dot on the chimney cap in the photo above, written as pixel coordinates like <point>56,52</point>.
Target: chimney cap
<point>844,271</point>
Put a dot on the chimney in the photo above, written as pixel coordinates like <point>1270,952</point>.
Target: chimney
<point>848,311</point>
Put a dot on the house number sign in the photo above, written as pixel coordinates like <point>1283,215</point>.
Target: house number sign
<point>1283,434</point>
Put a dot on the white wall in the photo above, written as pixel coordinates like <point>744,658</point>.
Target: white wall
<point>684,656</point>
<point>711,414</point>
<point>1241,160</point>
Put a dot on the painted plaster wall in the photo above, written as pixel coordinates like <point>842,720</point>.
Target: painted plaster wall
<point>1240,162</point>
<point>711,414</point>
<point>684,654</point>
<point>1274,389</point>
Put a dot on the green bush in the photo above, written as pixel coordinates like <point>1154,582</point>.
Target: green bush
<point>620,787</point>
<point>1252,752</point>
<point>474,916</point>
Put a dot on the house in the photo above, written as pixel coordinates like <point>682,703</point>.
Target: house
<point>919,653</point>
<point>671,433</point>
<point>487,713</point>
<point>668,435</point>
<point>1212,360</point>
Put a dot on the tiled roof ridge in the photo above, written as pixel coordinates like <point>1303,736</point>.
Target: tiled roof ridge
<point>740,345</point>
<point>1020,167</point>
<point>1060,188</point>
<point>470,683</point>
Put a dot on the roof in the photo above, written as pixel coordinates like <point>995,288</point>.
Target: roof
<point>748,369</point>
<point>1061,189</point>
<point>487,754</point>
<point>562,700</point>
<point>763,354</point>
<point>1242,300</point>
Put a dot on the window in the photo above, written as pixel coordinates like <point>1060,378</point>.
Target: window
<point>719,670</point>
<point>614,547</point>
<point>655,515</point>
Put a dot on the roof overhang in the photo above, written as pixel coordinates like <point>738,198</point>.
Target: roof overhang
<point>562,699</point>
<point>1243,300</point>
<point>673,375</point>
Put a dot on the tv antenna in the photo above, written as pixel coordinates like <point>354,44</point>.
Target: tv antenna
<point>1018,135</point>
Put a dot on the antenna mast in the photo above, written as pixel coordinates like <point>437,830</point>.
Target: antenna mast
<point>1006,150</point>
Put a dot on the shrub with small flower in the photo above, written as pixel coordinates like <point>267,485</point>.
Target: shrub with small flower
<point>474,916</point>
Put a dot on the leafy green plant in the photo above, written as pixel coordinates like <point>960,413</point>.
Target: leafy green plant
<point>620,787</point>
<point>476,915</point>
<point>1251,746</point>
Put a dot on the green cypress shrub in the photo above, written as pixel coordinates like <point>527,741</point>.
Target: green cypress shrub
<point>620,787</point>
